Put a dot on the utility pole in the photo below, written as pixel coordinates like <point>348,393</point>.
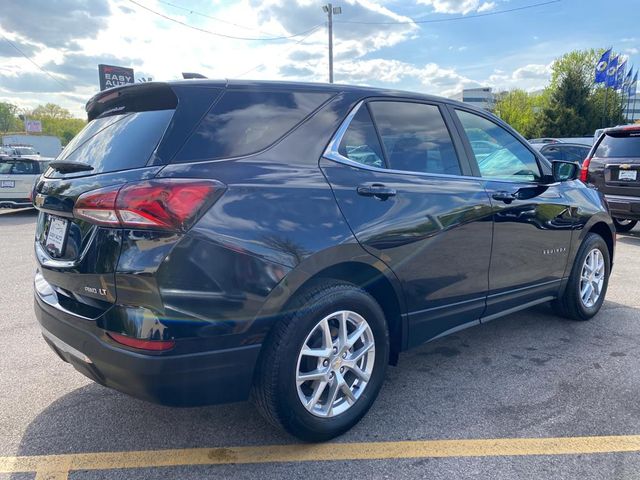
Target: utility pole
<point>330,10</point>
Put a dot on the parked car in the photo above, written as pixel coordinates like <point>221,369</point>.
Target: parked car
<point>23,151</point>
<point>204,242</point>
<point>612,166</point>
<point>568,152</point>
<point>17,179</point>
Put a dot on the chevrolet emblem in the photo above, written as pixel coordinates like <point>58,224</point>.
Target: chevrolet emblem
<point>624,166</point>
<point>39,200</point>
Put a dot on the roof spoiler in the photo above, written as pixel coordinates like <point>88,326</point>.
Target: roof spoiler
<point>138,97</point>
<point>188,75</point>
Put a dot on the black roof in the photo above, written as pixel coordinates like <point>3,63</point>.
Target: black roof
<point>271,85</point>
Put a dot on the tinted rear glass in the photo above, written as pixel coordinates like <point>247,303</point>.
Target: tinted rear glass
<point>117,142</point>
<point>245,122</point>
<point>619,146</point>
<point>19,167</point>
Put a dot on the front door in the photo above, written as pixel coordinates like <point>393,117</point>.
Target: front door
<point>398,180</point>
<point>533,220</point>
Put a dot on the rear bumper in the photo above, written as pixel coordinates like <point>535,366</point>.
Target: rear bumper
<point>181,380</point>
<point>15,203</point>
<point>623,207</point>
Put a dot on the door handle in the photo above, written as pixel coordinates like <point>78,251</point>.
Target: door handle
<point>506,197</point>
<point>377,190</point>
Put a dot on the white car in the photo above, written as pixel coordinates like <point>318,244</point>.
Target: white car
<point>17,178</point>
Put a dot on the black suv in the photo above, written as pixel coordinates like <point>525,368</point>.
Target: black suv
<point>612,166</point>
<point>203,241</point>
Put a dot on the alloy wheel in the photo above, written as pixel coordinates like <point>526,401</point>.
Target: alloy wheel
<point>335,363</point>
<point>592,278</point>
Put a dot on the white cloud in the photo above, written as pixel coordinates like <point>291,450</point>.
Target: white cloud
<point>632,51</point>
<point>486,6</point>
<point>459,6</point>
<point>528,77</point>
<point>431,77</point>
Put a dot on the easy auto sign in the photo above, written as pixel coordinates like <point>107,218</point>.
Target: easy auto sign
<point>113,76</point>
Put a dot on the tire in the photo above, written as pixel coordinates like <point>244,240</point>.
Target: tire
<point>276,391</point>
<point>624,225</point>
<point>572,304</point>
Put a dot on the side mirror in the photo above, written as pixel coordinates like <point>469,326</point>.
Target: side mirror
<point>563,171</point>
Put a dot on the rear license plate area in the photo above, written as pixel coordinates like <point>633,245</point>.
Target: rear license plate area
<point>56,237</point>
<point>627,175</point>
<point>7,183</point>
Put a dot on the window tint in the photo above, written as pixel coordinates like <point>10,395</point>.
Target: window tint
<point>117,142</point>
<point>499,154</point>
<point>244,122</point>
<point>415,137</point>
<point>554,153</point>
<point>619,146</point>
<point>19,167</point>
<point>576,154</point>
<point>360,142</point>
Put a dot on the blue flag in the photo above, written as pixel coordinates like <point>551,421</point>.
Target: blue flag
<point>633,86</point>
<point>612,71</point>
<point>601,67</point>
<point>622,67</point>
<point>627,80</point>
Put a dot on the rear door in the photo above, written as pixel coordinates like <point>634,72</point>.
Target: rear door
<point>405,189</point>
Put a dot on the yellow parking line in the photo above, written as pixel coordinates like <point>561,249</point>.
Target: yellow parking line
<point>57,466</point>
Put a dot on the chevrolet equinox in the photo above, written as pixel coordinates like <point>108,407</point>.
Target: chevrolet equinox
<point>211,241</point>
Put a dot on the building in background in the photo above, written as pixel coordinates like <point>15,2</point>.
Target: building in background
<point>482,97</point>
<point>633,111</point>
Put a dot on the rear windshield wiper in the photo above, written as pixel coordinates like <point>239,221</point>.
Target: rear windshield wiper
<point>63,166</point>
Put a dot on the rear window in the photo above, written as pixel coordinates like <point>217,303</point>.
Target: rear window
<point>19,167</point>
<point>245,122</point>
<point>613,146</point>
<point>117,142</point>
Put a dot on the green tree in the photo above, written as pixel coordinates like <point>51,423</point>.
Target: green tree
<point>8,118</point>
<point>57,121</point>
<point>50,111</point>
<point>521,109</point>
<point>576,103</point>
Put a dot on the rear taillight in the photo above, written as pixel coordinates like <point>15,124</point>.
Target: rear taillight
<point>154,345</point>
<point>167,204</point>
<point>584,171</point>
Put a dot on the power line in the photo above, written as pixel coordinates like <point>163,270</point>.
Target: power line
<point>465,17</point>
<point>166,17</point>
<point>194,12</point>
<point>285,52</point>
<point>34,63</point>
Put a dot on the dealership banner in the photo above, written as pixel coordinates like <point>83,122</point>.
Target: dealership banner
<point>33,126</point>
<point>112,76</point>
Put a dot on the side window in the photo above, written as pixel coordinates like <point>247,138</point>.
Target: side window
<point>360,142</point>
<point>577,154</point>
<point>415,137</point>
<point>243,122</point>
<point>499,154</point>
<point>554,153</point>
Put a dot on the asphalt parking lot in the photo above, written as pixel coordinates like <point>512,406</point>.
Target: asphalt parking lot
<point>458,407</point>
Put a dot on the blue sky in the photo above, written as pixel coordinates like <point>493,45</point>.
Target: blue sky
<point>65,42</point>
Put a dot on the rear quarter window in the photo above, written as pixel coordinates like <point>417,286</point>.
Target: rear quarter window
<point>243,122</point>
<point>613,146</point>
